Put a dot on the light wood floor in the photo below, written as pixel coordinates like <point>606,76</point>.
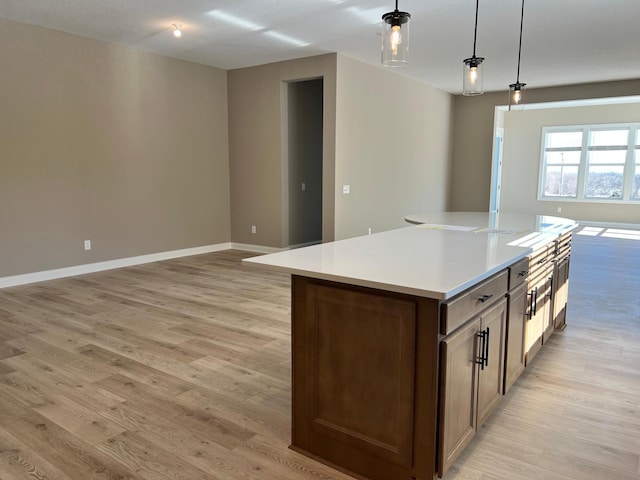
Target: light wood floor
<point>181,370</point>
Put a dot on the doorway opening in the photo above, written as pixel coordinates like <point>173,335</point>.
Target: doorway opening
<point>304,147</point>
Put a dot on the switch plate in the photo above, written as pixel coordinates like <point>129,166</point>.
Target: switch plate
<point>346,189</point>
<point>254,229</point>
<point>559,209</point>
<point>304,186</point>
<point>87,244</point>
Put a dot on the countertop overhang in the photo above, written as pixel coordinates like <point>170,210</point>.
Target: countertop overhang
<point>441,255</point>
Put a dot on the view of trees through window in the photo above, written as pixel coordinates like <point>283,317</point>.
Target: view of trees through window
<point>591,162</point>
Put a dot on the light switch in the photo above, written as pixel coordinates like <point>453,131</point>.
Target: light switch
<point>346,189</point>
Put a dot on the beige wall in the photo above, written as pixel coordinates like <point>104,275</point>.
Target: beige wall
<point>258,152</point>
<point>393,144</point>
<point>469,187</point>
<point>101,142</point>
<point>521,165</point>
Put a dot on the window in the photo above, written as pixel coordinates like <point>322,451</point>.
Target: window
<point>591,163</point>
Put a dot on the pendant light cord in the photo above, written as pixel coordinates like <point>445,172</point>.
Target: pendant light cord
<point>475,31</point>
<point>520,46</point>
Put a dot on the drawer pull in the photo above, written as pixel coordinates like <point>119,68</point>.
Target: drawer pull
<point>484,298</point>
<point>523,273</point>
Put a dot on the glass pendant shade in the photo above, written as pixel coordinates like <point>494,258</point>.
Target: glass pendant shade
<point>472,79</point>
<point>395,38</point>
<point>516,90</point>
<point>516,95</point>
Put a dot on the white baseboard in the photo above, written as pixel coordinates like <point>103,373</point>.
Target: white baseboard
<point>301,245</point>
<point>26,278</point>
<point>23,279</point>
<point>246,247</point>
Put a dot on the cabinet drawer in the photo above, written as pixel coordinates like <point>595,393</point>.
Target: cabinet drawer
<point>458,310</point>
<point>518,273</point>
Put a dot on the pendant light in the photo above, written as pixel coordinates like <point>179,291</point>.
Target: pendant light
<point>472,71</point>
<point>516,90</point>
<point>395,38</point>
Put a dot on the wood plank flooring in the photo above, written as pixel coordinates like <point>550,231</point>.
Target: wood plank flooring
<point>181,370</point>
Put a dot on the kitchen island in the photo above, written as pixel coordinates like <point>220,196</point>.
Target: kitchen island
<point>403,342</point>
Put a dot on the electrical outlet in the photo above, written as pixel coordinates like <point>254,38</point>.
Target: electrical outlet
<point>369,230</point>
<point>87,244</point>
<point>254,229</point>
<point>304,186</point>
<point>346,189</point>
<point>559,209</point>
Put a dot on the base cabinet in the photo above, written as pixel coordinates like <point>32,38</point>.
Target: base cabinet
<point>472,362</point>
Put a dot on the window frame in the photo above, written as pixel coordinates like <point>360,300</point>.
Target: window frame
<point>632,161</point>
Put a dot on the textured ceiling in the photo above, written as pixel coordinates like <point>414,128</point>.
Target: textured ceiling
<point>564,41</point>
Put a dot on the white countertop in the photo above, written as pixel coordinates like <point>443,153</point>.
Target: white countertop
<point>443,256</point>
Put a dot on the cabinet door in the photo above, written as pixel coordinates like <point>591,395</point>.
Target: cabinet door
<point>536,317</point>
<point>548,328</point>
<point>491,373</point>
<point>459,377</point>
<point>561,293</point>
<point>517,309</point>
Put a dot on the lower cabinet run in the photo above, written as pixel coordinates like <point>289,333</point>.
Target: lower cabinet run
<point>388,386</point>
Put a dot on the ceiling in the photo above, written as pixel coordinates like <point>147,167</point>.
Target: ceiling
<point>564,41</point>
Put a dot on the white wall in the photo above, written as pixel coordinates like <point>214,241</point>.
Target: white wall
<point>521,162</point>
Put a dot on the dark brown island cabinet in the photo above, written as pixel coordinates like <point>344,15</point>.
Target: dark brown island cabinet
<point>394,386</point>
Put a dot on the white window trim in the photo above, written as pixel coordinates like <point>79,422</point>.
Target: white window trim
<point>581,197</point>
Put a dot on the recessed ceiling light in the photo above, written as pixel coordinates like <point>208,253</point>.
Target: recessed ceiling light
<point>177,32</point>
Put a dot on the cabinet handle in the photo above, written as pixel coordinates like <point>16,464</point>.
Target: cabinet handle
<point>535,300</point>
<point>530,312</point>
<point>550,294</point>
<point>523,273</point>
<point>486,349</point>
<point>484,298</point>
<point>483,346</point>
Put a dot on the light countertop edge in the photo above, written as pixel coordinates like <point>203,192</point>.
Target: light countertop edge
<point>255,262</point>
<point>426,261</point>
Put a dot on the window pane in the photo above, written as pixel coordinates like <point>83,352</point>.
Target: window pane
<point>563,158</point>
<point>564,139</point>
<point>561,181</point>
<point>609,157</point>
<point>605,182</point>
<point>635,193</point>
<point>600,138</point>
